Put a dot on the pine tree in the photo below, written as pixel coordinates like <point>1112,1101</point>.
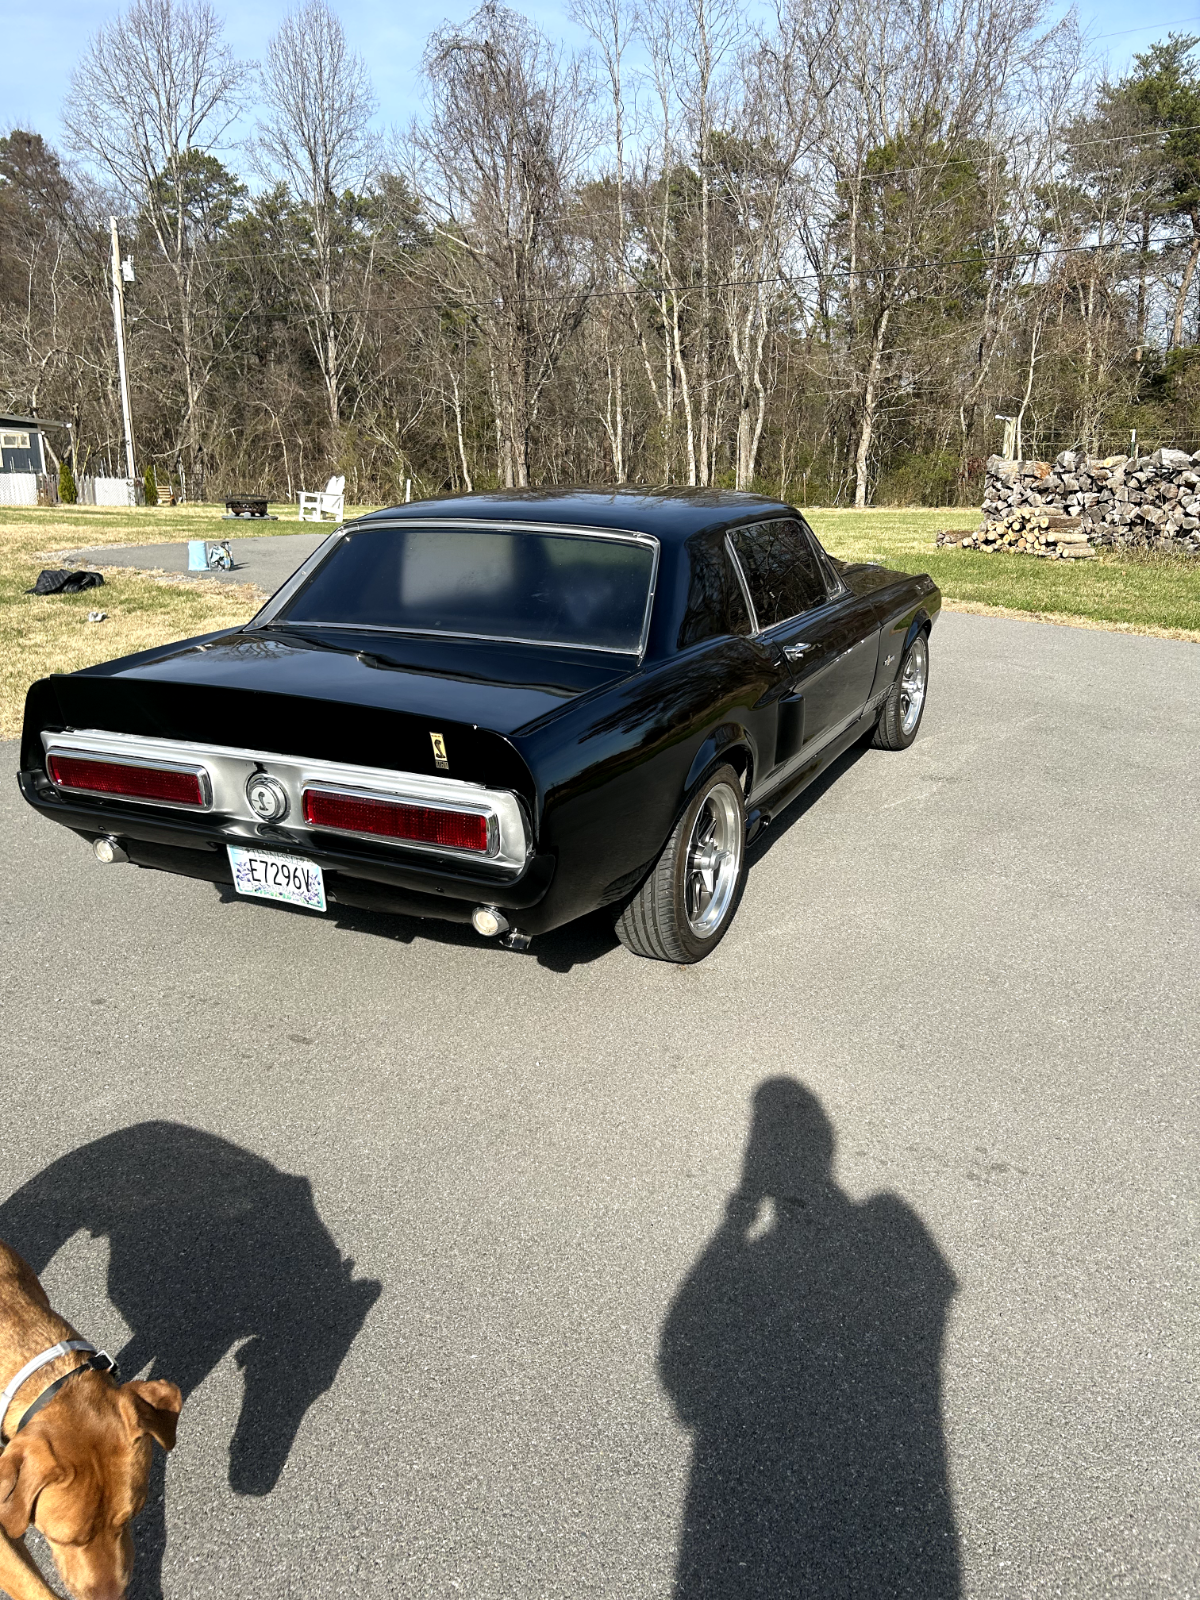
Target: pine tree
<point>151,486</point>
<point>67,491</point>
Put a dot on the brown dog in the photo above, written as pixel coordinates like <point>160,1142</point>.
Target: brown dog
<point>78,1468</point>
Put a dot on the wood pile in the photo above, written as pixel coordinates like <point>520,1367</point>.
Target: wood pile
<point>1036,533</point>
<point>1075,505</point>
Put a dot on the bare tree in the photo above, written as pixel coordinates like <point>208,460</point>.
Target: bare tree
<point>153,96</point>
<point>507,132</point>
<point>611,26</point>
<point>785,78</point>
<point>318,138</point>
<point>908,143</point>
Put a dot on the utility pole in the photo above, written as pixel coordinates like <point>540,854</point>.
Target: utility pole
<point>119,329</point>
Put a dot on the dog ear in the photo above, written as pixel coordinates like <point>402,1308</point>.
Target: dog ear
<point>152,1406</point>
<point>27,1466</point>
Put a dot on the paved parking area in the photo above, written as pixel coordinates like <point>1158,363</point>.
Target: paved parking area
<point>860,1260</point>
<point>266,561</point>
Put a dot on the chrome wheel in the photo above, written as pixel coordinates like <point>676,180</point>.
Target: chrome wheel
<point>714,861</point>
<point>912,685</point>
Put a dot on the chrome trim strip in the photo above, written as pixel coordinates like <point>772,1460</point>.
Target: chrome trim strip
<point>489,816</point>
<point>427,633</point>
<point>56,744</point>
<point>755,630</point>
<point>228,769</point>
<point>830,735</point>
<point>282,596</point>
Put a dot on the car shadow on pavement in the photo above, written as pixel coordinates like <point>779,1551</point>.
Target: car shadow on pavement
<point>210,1246</point>
<point>576,943</point>
<point>808,798</point>
<point>803,1352</point>
<point>573,945</point>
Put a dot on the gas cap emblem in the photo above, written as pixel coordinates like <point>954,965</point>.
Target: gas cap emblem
<point>267,796</point>
<point>440,759</point>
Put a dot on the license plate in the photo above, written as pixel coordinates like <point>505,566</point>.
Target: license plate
<point>292,879</point>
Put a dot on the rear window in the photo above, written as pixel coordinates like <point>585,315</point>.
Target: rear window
<point>586,591</point>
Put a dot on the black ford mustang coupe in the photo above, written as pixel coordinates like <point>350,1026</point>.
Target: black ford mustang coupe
<point>507,709</point>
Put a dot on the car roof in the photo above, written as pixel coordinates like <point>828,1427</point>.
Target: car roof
<point>670,514</point>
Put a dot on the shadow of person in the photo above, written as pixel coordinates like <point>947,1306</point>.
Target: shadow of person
<point>210,1246</point>
<point>803,1351</point>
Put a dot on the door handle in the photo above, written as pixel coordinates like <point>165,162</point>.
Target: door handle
<point>794,654</point>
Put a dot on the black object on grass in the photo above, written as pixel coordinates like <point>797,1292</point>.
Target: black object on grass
<point>61,580</point>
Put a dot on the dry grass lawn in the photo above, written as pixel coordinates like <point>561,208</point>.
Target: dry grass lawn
<point>40,635</point>
<point>43,634</point>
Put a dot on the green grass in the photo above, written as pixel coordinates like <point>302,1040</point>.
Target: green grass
<point>1150,593</point>
<point>46,634</point>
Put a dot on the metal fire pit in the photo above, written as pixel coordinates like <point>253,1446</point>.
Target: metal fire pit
<point>246,505</point>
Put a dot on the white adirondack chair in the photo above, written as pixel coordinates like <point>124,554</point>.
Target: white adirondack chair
<point>331,499</point>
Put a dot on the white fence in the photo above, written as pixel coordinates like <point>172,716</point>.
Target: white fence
<point>22,489</point>
<point>18,488</point>
<point>110,492</point>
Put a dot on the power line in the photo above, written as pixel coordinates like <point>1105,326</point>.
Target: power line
<point>1148,27</point>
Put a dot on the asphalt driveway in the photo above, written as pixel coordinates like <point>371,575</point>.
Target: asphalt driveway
<point>860,1260</point>
<point>267,560</point>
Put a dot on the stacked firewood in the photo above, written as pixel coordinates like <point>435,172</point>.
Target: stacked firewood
<point>1037,533</point>
<point>1076,504</point>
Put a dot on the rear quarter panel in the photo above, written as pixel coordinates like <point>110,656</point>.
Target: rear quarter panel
<point>613,772</point>
<point>904,603</point>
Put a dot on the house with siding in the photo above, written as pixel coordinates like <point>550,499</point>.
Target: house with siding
<point>21,446</point>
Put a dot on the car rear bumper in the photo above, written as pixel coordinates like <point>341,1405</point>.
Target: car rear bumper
<point>194,847</point>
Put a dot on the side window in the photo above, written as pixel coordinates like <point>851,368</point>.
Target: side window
<point>833,583</point>
<point>715,603</point>
<point>782,571</point>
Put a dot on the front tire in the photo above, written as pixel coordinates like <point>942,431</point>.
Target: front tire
<point>684,908</point>
<point>905,704</point>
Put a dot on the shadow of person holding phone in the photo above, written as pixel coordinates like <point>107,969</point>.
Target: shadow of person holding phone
<point>210,1248</point>
<point>804,1351</point>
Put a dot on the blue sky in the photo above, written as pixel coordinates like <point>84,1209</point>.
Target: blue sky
<point>43,38</point>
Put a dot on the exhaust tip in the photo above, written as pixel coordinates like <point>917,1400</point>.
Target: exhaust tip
<point>489,921</point>
<point>108,851</point>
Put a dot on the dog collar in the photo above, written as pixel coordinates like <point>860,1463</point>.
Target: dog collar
<point>100,1362</point>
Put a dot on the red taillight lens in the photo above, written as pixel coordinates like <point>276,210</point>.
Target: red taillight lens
<point>119,778</point>
<point>396,819</point>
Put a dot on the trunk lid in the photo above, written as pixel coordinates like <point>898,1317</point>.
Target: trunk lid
<point>371,699</point>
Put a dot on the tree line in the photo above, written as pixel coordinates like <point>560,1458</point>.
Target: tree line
<point>820,256</point>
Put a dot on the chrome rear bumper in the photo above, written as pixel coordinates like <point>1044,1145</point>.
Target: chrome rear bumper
<point>228,773</point>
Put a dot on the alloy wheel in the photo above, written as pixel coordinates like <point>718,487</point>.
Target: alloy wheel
<point>714,861</point>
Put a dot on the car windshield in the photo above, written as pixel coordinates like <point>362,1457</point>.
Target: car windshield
<point>587,591</point>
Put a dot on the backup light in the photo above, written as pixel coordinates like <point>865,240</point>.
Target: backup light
<point>396,819</point>
<point>174,786</point>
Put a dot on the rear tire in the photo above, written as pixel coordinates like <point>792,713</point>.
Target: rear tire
<point>684,908</point>
<point>905,705</point>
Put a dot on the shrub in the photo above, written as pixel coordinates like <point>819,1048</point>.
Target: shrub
<point>67,491</point>
<point>151,487</point>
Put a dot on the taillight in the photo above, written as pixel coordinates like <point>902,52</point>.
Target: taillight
<point>396,819</point>
<point>171,786</point>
